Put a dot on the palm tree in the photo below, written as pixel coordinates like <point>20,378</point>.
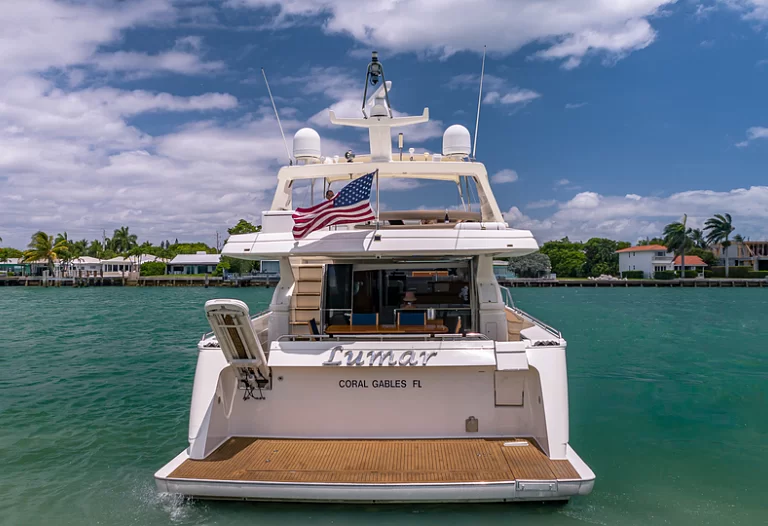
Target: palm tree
<point>676,238</point>
<point>141,250</point>
<point>647,241</point>
<point>123,241</point>
<point>95,249</point>
<point>43,247</point>
<point>78,248</point>
<point>697,236</point>
<point>719,228</point>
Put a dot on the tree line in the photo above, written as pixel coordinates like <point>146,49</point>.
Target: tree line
<point>597,256</point>
<point>59,249</point>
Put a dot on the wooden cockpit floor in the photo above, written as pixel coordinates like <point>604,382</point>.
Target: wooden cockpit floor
<point>376,461</point>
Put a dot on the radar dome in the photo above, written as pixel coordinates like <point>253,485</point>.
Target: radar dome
<point>456,141</point>
<point>306,144</point>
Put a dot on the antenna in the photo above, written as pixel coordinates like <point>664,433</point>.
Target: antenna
<point>290,160</point>
<point>479,100</point>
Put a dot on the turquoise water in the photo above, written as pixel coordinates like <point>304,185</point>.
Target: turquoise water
<point>669,406</point>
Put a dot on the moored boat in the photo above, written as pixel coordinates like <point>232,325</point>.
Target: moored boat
<point>390,366</point>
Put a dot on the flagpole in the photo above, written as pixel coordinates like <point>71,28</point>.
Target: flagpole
<point>377,198</point>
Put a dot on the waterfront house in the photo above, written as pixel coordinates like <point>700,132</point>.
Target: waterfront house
<point>655,258</point>
<point>646,258</point>
<point>15,266</point>
<point>691,263</point>
<point>118,267</point>
<point>199,263</point>
<point>86,267</point>
<point>745,254</point>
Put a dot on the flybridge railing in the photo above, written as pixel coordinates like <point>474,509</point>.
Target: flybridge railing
<point>509,302</point>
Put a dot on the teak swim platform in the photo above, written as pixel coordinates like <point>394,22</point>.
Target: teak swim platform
<point>376,461</point>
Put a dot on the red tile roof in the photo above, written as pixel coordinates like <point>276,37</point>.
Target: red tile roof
<point>691,261</point>
<point>643,248</point>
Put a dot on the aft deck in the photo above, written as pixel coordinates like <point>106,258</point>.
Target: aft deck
<point>376,462</point>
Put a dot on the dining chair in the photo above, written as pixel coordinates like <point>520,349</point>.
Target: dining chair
<point>360,318</point>
<point>411,318</point>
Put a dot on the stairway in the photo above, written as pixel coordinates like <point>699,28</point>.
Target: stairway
<point>305,302</point>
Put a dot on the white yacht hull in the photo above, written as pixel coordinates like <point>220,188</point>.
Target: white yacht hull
<point>505,491</point>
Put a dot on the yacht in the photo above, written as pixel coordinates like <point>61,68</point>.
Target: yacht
<point>391,366</point>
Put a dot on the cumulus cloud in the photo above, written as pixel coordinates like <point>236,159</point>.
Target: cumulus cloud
<point>544,203</point>
<point>568,30</point>
<point>169,61</point>
<point>515,96</point>
<point>71,157</point>
<point>575,105</point>
<point>631,217</point>
<point>41,34</point>
<point>753,133</point>
<point>497,90</point>
<point>504,176</point>
<point>756,10</point>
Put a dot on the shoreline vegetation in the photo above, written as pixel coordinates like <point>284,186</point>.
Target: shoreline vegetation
<point>598,256</point>
<point>572,262</point>
<point>57,252</point>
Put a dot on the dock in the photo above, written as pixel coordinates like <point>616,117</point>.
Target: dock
<point>144,281</point>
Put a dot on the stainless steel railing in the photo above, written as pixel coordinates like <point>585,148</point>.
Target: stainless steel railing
<point>509,302</point>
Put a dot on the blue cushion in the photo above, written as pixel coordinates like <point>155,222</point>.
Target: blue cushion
<point>413,318</point>
<point>364,319</point>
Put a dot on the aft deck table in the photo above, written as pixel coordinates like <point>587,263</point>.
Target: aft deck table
<point>386,329</point>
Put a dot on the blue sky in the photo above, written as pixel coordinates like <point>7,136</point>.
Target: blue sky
<point>600,117</point>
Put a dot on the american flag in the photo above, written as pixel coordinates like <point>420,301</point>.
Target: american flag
<point>351,205</point>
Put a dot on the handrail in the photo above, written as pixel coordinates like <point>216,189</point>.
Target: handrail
<point>509,302</point>
<point>507,295</point>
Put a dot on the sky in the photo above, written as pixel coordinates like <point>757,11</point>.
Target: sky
<point>605,118</point>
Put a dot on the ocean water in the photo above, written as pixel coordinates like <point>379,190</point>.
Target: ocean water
<point>668,392</point>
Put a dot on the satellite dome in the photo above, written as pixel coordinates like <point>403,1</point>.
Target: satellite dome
<point>456,141</point>
<point>306,144</point>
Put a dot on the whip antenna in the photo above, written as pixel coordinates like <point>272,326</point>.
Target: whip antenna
<point>479,100</point>
<point>279,124</point>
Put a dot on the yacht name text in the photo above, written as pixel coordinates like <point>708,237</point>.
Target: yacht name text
<point>340,357</point>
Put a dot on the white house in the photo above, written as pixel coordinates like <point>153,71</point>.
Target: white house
<point>648,259</point>
<point>86,266</point>
<point>199,263</point>
<point>654,258</point>
<point>118,267</point>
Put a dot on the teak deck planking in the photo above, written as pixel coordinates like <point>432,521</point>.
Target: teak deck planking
<point>376,461</point>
